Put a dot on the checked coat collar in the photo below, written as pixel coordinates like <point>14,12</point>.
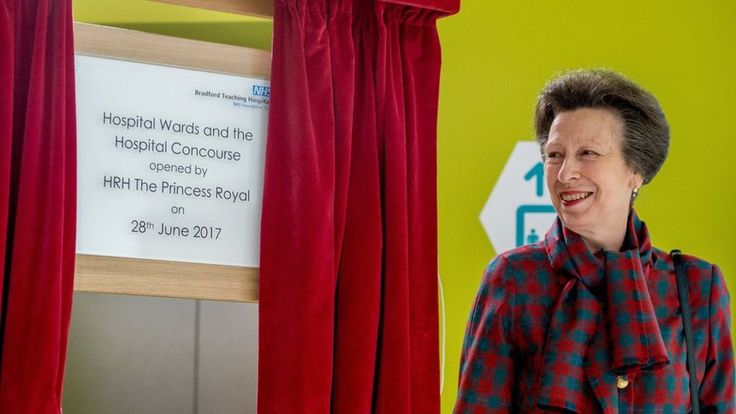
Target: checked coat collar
<point>603,323</point>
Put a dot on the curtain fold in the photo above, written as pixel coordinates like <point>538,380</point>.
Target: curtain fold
<point>37,201</point>
<point>348,287</point>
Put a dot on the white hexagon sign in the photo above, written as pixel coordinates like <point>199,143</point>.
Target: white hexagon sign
<point>519,210</point>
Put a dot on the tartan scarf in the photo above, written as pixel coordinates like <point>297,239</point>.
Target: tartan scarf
<point>603,323</point>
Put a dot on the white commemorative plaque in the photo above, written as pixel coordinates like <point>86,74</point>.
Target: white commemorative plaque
<point>170,162</point>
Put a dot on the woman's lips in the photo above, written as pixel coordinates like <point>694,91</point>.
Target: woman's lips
<point>571,198</point>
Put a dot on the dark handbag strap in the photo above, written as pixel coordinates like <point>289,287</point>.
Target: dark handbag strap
<point>687,322</point>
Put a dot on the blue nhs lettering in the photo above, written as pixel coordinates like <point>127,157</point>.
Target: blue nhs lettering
<point>260,90</point>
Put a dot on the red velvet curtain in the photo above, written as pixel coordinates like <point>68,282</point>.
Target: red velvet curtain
<point>348,272</point>
<point>37,201</point>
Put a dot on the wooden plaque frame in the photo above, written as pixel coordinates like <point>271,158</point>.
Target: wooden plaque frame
<point>105,274</point>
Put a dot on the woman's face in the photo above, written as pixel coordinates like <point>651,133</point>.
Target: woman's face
<point>587,176</point>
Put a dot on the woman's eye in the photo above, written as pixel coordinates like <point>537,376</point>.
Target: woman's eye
<point>588,153</point>
<point>553,155</point>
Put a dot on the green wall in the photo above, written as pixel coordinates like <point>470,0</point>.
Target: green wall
<point>497,56</point>
<point>178,21</point>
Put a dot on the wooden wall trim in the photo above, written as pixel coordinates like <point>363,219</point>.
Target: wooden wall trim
<point>122,275</point>
<point>113,42</point>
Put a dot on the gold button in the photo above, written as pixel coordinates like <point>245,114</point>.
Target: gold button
<point>621,382</point>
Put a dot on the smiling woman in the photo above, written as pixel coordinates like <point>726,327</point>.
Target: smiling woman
<point>588,320</point>
<point>589,181</point>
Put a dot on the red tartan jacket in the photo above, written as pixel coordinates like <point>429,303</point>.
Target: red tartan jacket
<point>557,328</point>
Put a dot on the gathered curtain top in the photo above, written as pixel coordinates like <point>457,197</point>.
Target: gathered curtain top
<point>430,8</point>
<point>447,7</point>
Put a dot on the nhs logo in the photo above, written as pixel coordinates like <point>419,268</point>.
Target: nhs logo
<point>260,90</point>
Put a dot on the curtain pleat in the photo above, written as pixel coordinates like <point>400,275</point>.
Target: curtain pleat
<point>297,284</point>
<point>37,202</point>
<point>359,286</point>
<point>348,285</point>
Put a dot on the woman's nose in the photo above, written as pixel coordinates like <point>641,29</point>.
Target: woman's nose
<point>569,170</point>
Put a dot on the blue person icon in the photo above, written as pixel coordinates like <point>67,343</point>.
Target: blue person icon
<point>525,212</point>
